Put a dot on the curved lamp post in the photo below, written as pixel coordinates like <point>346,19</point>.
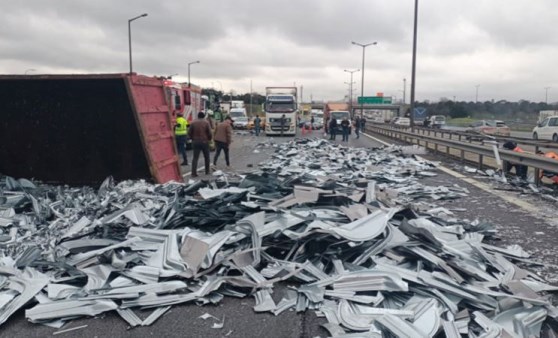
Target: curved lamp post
<point>362,77</point>
<point>189,64</point>
<point>351,89</point>
<point>130,37</point>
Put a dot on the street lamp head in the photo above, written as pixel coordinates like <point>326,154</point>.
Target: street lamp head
<point>137,17</point>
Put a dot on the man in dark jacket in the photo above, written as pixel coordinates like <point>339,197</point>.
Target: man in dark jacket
<point>332,128</point>
<point>283,123</point>
<point>223,139</point>
<point>200,134</point>
<point>345,128</point>
<point>357,126</point>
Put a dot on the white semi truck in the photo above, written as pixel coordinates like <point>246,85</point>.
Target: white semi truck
<point>280,101</point>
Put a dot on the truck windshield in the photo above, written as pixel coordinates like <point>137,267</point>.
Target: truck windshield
<point>280,103</point>
<point>237,114</point>
<point>280,106</point>
<point>340,115</point>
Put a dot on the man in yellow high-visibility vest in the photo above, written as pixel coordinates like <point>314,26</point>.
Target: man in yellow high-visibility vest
<point>181,132</point>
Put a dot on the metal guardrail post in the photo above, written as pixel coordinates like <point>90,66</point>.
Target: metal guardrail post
<point>481,157</point>
<point>537,171</point>
<point>528,159</point>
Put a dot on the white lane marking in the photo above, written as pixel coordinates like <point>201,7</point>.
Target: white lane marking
<point>506,197</point>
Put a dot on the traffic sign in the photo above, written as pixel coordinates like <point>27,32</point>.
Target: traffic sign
<point>420,111</point>
<point>374,100</point>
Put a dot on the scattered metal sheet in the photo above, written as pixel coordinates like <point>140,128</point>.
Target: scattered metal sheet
<point>334,221</point>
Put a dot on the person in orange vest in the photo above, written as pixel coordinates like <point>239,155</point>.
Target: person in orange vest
<point>520,169</point>
<point>543,173</point>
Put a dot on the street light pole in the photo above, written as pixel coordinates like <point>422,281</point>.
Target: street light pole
<point>189,64</point>
<point>404,89</point>
<point>414,70</point>
<point>546,94</point>
<point>130,37</point>
<point>477,93</point>
<point>351,88</point>
<point>362,77</point>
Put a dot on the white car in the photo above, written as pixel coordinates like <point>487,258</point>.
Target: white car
<point>240,122</point>
<point>402,121</point>
<point>547,129</point>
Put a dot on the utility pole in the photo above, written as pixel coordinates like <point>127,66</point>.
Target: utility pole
<point>362,78</point>
<point>404,89</point>
<point>546,94</point>
<point>130,37</point>
<point>250,97</point>
<point>189,64</point>
<point>413,73</point>
<point>351,90</point>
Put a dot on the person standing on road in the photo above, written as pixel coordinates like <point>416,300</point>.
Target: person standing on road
<point>223,139</point>
<point>357,126</point>
<point>332,128</point>
<point>257,124</point>
<point>312,123</point>
<point>345,127</point>
<point>180,132</point>
<point>362,124</point>
<point>283,122</point>
<point>200,133</point>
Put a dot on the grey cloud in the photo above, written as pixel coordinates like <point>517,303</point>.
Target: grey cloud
<point>460,43</point>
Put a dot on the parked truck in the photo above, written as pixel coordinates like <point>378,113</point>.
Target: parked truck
<point>334,106</point>
<point>80,129</point>
<point>280,101</point>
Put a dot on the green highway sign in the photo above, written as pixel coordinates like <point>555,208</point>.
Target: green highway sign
<point>374,100</point>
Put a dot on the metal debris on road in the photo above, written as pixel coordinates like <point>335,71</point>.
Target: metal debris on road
<point>358,237</point>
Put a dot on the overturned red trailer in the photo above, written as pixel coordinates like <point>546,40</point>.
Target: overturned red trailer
<point>80,129</point>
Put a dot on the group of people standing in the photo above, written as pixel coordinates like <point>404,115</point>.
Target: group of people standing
<point>332,127</point>
<point>202,131</point>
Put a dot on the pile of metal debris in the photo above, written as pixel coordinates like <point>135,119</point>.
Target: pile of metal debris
<point>352,232</point>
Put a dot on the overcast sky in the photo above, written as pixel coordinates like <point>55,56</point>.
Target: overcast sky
<point>507,47</point>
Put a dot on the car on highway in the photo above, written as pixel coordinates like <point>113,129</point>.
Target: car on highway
<point>240,122</point>
<point>489,127</point>
<point>435,121</point>
<point>547,129</point>
<point>402,121</point>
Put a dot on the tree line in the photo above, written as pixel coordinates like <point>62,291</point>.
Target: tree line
<point>522,111</point>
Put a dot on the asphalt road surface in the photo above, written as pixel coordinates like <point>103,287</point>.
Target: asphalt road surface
<point>535,233</point>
